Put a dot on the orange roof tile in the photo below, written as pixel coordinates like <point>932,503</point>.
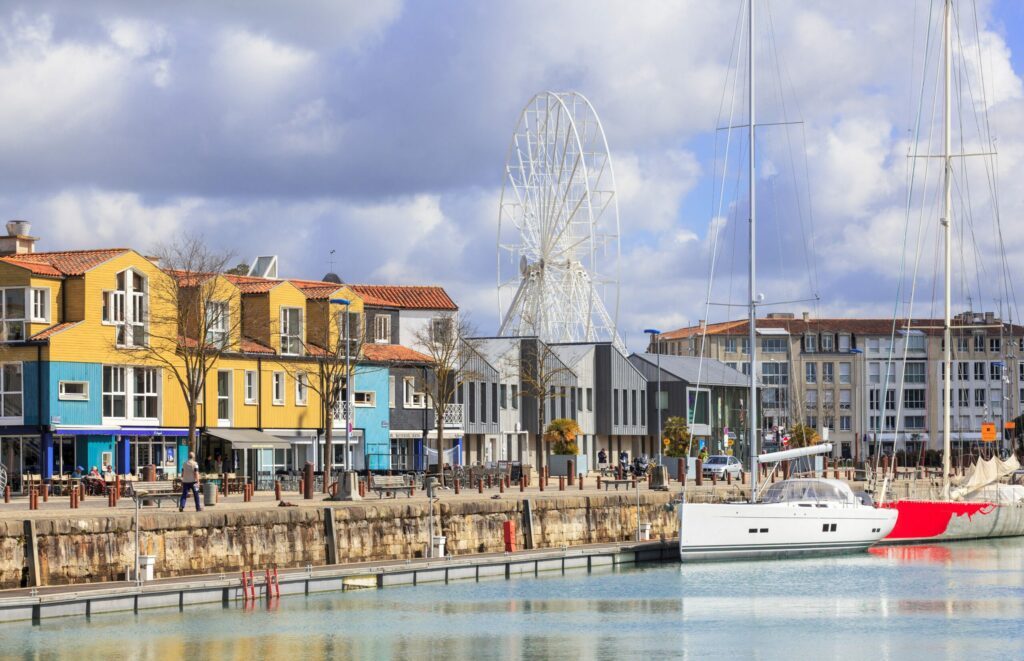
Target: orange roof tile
<point>414,297</point>
<point>252,285</point>
<point>46,333</point>
<point>394,353</point>
<point>250,345</point>
<point>799,326</point>
<point>67,262</point>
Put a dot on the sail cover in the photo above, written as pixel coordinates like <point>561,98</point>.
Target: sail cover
<point>983,473</point>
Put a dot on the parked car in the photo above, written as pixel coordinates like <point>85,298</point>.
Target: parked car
<point>720,464</point>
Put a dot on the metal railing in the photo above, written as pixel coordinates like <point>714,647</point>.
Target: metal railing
<point>454,415</point>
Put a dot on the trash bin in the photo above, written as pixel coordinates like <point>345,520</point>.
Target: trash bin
<point>146,564</point>
<point>645,532</point>
<point>209,494</point>
<point>439,541</point>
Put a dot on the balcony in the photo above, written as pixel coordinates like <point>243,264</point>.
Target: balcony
<point>453,416</point>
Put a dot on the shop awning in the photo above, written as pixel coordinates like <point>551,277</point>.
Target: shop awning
<point>249,439</point>
<point>119,431</point>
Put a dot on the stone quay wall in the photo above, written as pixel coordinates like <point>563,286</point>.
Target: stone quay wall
<point>101,548</point>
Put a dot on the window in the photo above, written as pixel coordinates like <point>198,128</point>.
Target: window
<point>874,373</point>
<point>145,395</point>
<point>391,392</point>
<point>873,344</point>
<point>874,399</point>
<point>483,402</point>
<point>844,423</point>
<point>472,401</point>
<point>995,371</point>
<point>590,399</point>
<point>40,304</point>
<point>224,397</point>
<point>494,402</point>
<point>412,398</point>
<point>913,421</point>
<point>979,371</point>
<point>811,399</point>
<point>828,342</point>
<point>365,398</point>
<point>125,309</point>
<point>730,345</point>
<point>579,399</point>
<point>829,422</point>
<point>301,389</point>
<point>515,396</point>
<point>995,344</point>
<point>217,323</point>
<point>962,373</point>
<point>845,400</point>
<point>114,392</point>
<point>772,345</point>
<point>810,373</point>
<point>844,342</point>
<point>277,388</point>
<point>643,407</point>
<point>979,397</point>
<point>844,372</point>
<point>73,390</point>
<point>11,402</point>
<point>830,399</point>
<point>915,342</point>
<point>812,421</point>
<point>382,329</point>
<point>913,399</point>
<point>13,300</point>
<point>615,406</point>
<point>291,331</point>
<point>963,397</point>
<point>873,422</point>
<point>828,373</point>
<point>441,330</point>
<point>810,343</point>
<point>914,372</point>
<point>979,342</point>
<point>890,422</point>
<point>890,400</point>
<point>961,344</point>
<point>250,387</point>
<point>632,405</point>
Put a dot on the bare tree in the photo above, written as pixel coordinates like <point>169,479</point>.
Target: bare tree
<point>446,340</point>
<point>334,344</point>
<point>539,376</point>
<point>193,317</point>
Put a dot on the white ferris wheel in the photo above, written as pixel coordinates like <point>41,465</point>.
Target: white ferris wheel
<point>558,226</point>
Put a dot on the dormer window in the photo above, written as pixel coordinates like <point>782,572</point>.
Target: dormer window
<point>13,302</point>
<point>217,323</point>
<point>382,329</point>
<point>291,331</point>
<point>126,309</point>
<point>810,343</point>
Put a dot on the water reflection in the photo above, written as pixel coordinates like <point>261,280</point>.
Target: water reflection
<point>936,601</point>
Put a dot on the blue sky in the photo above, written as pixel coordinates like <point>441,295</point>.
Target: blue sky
<point>380,130</point>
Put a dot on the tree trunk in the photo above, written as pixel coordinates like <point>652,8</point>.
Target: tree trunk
<point>192,428</point>
<point>328,451</point>
<point>440,448</point>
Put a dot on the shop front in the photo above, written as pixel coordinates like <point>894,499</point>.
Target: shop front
<point>251,453</point>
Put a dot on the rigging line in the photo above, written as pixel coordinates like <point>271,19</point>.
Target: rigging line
<point>715,210</point>
<point>716,230</point>
<point>903,256</point>
<point>809,262</point>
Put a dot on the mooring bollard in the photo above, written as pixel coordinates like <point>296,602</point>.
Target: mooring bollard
<point>699,472</point>
<point>728,477</point>
<point>714,479</point>
<point>540,482</point>
<point>277,489</point>
<point>598,482</point>
<point>81,491</point>
<point>7,493</point>
<point>458,487</point>
<point>488,481</point>
<point>581,481</point>
<point>522,484</point>
<point>110,499</point>
<point>307,491</point>
<point>480,485</point>
<point>571,471</point>
<point>561,483</point>
<point>46,493</point>
<point>501,486</point>
<point>835,472</point>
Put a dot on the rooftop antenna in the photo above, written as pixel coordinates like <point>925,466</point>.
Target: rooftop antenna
<point>330,262</point>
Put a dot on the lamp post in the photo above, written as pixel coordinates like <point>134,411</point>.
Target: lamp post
<point>863,385</point>
<point>656,337</point>
<point>348,389</point>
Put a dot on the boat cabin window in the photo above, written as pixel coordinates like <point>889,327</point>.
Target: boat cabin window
<point>807,490</point>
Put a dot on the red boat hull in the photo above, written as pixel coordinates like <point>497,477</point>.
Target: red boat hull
<point>926,520</point>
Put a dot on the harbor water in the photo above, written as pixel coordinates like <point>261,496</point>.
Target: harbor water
<point>961,600</point>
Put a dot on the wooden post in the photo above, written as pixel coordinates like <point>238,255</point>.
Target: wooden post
<point>571,470</point>
<point>699,471</point>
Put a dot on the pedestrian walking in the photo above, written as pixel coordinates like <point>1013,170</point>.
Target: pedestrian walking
<point>190,482</point>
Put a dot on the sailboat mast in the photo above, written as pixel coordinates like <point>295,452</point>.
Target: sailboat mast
<point>947,221</point>
<point>752,308</point>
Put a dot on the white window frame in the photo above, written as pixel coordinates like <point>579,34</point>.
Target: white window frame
<point>277,388</point>
<point>251,389</point>
<point>391,392</point>
<point>844,342</point>
<point>369,398</point>
<point>39,300</point>
<point>73,397</point>
<point>828,342</point>
<point>382,329</point>
<point>301,389</point>
<point>118,373</point>
<point>217,324</point>
<point>289,333</point>
<point>5,393</point>
<point>412,398</point>
<point>152,376</point>
<point>128,320</point>
<point>228,397</point>
<point>810,343</point>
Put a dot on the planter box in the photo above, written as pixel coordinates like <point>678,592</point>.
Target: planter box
<point>558,464</point>
<point>672,464</point>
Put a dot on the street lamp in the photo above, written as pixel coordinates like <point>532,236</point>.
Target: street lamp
<point>863,385</point>
<point>348,389</point>
<point>656,337</point>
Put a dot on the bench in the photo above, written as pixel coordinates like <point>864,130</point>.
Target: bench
<point>390,484</point>
<point>607,483</point>
<point>158,491</point>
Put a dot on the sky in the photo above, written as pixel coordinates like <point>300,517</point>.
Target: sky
<point>379,130</point>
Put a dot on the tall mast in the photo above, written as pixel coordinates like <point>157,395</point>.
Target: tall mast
<point>947,220</point>
<point>752,306</point>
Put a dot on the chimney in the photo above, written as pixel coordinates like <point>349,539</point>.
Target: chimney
<point>17,241</point>
<point>701,323</point>
<point>807,315</point>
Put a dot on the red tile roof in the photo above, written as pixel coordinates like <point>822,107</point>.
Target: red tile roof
<point>46,333</point>
<point>252,285</point>
<point>250,345</point>
<point>67,262</point>
<point>394,353</point>
<point>412,297</point>
<point>799,326</point>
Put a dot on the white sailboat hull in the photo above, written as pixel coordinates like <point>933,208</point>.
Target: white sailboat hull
<point>773,530</point>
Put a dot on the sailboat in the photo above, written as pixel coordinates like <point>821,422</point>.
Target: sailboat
<point>979,507</point>
<point>796,517</point>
